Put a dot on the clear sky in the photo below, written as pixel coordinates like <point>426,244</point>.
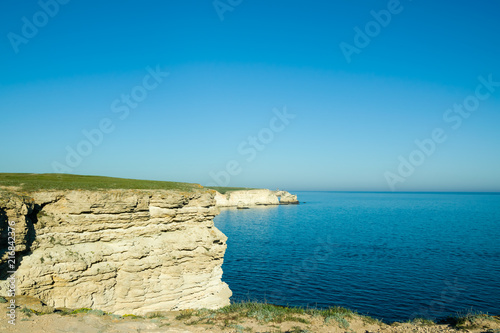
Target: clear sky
<point>300,95</point>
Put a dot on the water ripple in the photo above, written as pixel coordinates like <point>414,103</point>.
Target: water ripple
<point>390,255</point>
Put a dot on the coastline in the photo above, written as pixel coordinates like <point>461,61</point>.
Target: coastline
<point>32,316</point>
<point>185,205</point>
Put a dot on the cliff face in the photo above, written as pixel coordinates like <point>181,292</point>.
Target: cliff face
<point>121,251</point>
<point>246,197</point>
<point>287,198</point>
<point>254,198</point>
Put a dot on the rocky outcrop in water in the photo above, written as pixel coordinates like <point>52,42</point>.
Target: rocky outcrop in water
<point>121,251</point>
<point>287,198</point>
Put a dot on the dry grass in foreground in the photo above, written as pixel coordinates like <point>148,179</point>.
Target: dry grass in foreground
<point>237,318</point>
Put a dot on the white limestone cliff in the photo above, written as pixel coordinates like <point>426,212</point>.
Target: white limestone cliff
<point>121,251</point>
<point>242,198</point>
<point>287,198</point>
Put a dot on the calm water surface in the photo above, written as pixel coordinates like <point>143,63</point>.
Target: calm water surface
<point>389,255</point>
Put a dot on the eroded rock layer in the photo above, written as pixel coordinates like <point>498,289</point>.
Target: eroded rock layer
<point>243,198</point>
<point>121,251</point>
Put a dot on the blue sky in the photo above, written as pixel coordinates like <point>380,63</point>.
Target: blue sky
<point>264,97</point>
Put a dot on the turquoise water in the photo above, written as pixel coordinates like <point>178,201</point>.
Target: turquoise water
<point>394,256</point>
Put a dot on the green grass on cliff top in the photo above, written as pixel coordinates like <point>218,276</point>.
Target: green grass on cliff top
<point>51,181</point>
<point>54,181</point>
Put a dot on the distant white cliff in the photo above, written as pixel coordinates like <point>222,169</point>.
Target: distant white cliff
<point>246,198</point>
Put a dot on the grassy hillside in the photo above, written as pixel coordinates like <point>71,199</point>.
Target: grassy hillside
<point>50,181</point>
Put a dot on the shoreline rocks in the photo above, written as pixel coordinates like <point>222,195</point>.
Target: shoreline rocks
<point>287,198</point>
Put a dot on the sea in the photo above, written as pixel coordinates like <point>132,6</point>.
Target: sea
<point>392,256</point>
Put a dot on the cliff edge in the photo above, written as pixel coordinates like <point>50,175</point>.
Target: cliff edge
<point>121,251</point>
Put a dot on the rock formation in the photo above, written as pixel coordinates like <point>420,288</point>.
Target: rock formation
<point>121,251</point>
<point>246,198</point>
<point>287,198</point>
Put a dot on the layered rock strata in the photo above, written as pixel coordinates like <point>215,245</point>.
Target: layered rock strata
<point>121,251</point>
<point>287,198</point>
<point>246,198</point>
